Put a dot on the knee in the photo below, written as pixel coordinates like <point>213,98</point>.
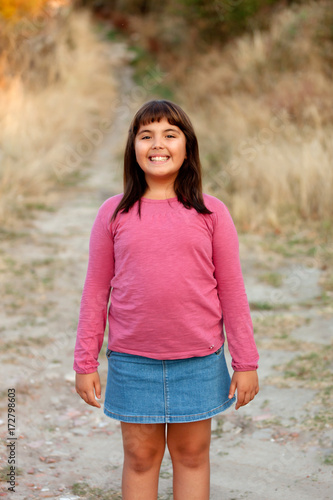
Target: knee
<point>143,458</point>
<point>189,455</point>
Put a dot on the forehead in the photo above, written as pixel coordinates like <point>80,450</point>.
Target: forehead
<point>161,124</point>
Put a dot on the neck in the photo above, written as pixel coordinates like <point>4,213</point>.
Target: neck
<point>159,192</point>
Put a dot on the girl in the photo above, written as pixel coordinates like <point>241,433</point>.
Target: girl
<point>170,256</point>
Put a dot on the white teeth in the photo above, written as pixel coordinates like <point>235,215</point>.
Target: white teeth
<point>159,158</point>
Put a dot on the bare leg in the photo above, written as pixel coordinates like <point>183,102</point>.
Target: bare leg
<point>189,445</point>
<point>144,446</point>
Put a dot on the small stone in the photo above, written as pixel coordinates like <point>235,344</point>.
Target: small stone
<point>36,444</point>
<point>52,459</point>
<point>227,427</point>
<point>264,416</point>
<point>70,377</point>
<point>104,424</point>
<point>52,376</point>
<point>80,432</point>
<point>71,497</point>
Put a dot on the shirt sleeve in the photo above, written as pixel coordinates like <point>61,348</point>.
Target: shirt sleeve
<point>95,298</point>
<point>231,291</point>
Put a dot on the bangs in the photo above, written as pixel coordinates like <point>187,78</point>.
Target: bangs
<point>154,111</point>
<point>187,185</point>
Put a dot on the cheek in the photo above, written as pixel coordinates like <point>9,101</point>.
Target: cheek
<point>183,148</point>
<point>140,155</point>
<point>138,150</point>
<point>184,154</point>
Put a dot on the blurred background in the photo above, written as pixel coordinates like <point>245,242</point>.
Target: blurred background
<point>255,77</point>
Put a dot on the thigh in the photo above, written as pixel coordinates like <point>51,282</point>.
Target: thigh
<point>189,437</point>
<point>142,438</point>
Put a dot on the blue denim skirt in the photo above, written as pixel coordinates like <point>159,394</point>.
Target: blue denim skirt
<point>145,390</point>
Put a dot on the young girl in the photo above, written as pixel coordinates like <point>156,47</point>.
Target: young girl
<point>169,256</point>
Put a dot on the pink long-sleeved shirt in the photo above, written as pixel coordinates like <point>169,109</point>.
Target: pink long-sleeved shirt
<point>174,277</point>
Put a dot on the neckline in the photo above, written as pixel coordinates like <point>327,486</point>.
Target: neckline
<point>151,200</point>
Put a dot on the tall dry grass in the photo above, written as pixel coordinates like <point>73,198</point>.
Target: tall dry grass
<point>263,109</point>
<point>13,10</point>
<point>262,106</point>
<point>48,108</point>
<point>267,113</point>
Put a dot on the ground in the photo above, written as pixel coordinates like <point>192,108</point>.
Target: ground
<point>277,447</point>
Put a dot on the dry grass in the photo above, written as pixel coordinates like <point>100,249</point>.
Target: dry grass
<point>265,121</point>
<point>15,9</point>
<point>262,107</point>
<point>49,108</point>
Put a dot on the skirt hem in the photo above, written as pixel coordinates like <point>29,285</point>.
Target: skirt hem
<point>168,419</point>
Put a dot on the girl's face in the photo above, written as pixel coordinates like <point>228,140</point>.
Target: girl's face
<point>160,150</point>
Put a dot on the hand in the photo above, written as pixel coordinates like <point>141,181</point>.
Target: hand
<point>247,386</point>
<point>85,384</point>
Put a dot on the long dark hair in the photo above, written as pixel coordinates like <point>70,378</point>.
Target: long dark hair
<point>188,184</point>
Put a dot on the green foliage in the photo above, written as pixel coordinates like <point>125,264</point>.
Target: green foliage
<point>261,306</point>
<point>219,19</point>
<point>91,493</point>
<point>4,471</point>
<point>145,70</point>
<point>216,20</point>
<point>328,460</point>
<point>272,278</point>
<point>312,368</point>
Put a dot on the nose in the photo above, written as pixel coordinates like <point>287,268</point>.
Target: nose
<point>157,143</point>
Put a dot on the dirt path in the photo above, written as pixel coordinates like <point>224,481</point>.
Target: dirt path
<point>278,447</point>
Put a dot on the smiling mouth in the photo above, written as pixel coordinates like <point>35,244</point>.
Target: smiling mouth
<point>160,159</point>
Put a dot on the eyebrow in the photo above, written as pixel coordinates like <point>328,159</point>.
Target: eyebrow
<point>166,130</point>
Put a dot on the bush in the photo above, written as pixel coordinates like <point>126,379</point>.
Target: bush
<point>13,10</point>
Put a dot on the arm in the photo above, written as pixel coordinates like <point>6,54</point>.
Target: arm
<point>95,297</point>
<point>235,308</point>
<point>231,291</point>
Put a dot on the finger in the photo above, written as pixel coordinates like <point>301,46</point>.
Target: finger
<point>240,399</point>
<point>89,398</point>
<point>232,390</point>
<point>92,401</point>
<point>246,399</point>
<point>98,389</point>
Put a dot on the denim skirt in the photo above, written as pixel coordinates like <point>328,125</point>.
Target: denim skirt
<point>145,390</point>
